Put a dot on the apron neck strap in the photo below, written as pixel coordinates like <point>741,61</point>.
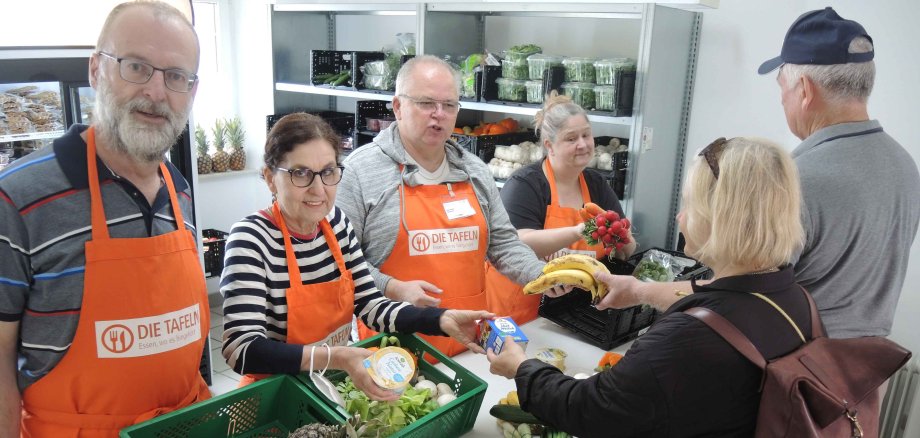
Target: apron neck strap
<point>293,267</point>
<point>554,195</point>
<point>97,211</point>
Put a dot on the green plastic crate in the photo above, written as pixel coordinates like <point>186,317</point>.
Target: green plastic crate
<point>454,419</point>
<point>271,407</point>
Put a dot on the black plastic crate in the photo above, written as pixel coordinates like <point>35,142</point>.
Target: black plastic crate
<point>626,89</point>
<point>369,109</point>
<point>553,79</point>
<point>342,123</point>
<point>611,327</point>
<point>483,146</point>
<point>330,62</point>
<point>213,251</point>
<point>489,88</point>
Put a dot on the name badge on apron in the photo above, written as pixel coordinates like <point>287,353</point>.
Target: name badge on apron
<point>458,209</point>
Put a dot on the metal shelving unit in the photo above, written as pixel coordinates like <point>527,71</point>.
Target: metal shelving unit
<point>30,136</point>
<point>662,39</point>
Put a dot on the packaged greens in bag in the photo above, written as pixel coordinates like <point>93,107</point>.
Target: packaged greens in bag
<point>660,266</point>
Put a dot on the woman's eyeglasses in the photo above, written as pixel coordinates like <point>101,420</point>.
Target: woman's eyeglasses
<point>303,177</point>
<point>712,153</point>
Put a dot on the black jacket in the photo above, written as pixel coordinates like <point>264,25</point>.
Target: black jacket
<point>680,378</point>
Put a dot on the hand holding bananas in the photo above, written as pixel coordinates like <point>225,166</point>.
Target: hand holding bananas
<point>605,227</point>
<point>575,270</point>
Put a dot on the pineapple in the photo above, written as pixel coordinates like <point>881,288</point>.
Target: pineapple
<point>220,159</point>
<point>235,134</point>
<point>201,142</point>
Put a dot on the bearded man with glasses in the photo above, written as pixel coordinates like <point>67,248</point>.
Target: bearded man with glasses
<point>426,211</point>
<point>98,258</point>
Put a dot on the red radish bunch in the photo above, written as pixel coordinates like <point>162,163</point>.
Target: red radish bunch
<point>607,228</point>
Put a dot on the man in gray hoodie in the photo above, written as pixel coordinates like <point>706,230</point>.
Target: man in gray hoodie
<point>427,212</point>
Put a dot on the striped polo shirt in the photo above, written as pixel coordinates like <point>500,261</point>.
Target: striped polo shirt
<point>254,283</point>
<point>44,224</point>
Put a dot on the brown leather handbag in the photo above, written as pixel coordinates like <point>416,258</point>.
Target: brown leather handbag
<point>825,388</point>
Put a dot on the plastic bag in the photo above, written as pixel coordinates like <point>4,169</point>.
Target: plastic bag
<point>660,266</point>
<point>406,43</point>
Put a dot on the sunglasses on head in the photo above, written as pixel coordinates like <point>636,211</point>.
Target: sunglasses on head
<point>712,153</point>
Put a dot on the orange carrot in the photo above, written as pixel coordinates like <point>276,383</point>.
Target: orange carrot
<point>608,360</point>
<point>585,215</point>
<point>594,209</point>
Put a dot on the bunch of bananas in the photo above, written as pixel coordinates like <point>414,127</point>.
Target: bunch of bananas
<point>572,269</point>
<point>510,399</point>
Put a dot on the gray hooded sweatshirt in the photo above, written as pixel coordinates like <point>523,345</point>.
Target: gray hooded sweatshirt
<point>369,197</point>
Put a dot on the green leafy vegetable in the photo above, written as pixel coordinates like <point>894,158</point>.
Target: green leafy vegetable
<point>650,270</point>
<point>386,418</point>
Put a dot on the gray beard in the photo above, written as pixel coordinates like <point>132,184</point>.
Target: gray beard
<point>123,133</point>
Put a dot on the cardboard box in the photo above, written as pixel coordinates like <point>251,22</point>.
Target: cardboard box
<point>492,334</point>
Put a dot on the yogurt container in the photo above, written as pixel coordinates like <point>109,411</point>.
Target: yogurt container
<point>391,368</point>
<point>552,356</point>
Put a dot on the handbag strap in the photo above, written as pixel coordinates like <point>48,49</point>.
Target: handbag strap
<point>817,328</point>
<point>730,333</point>
<point>782,312</point>
<point>733,336</point>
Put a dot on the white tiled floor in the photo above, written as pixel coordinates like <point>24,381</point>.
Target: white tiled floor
<point>223,379</point>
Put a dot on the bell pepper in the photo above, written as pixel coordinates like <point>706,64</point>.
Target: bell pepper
<point>608,360</point>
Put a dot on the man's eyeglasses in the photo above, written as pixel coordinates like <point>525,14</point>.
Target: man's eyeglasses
<point>303,177</point>
<point>712,153</point>
<point>430,106</point>
<point>139,72</point>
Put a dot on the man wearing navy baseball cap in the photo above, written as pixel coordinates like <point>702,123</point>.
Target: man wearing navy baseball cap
<point>859,186</point>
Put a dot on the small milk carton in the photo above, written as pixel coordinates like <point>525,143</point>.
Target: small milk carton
<point>492,334</point>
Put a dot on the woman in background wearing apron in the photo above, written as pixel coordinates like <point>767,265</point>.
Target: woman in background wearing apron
<point>543,200</point>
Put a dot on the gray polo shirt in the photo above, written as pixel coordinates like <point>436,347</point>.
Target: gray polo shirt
<point>861,207</point>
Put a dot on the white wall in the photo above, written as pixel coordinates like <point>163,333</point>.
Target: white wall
<point>223,199</point>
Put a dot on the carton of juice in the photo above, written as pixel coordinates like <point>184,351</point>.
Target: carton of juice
<point>492,334</point>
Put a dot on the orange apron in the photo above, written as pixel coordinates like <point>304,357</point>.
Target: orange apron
<point>444,250</point>
<point>143,325</point>
<point>506,297</point>
<point>316,313</point>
